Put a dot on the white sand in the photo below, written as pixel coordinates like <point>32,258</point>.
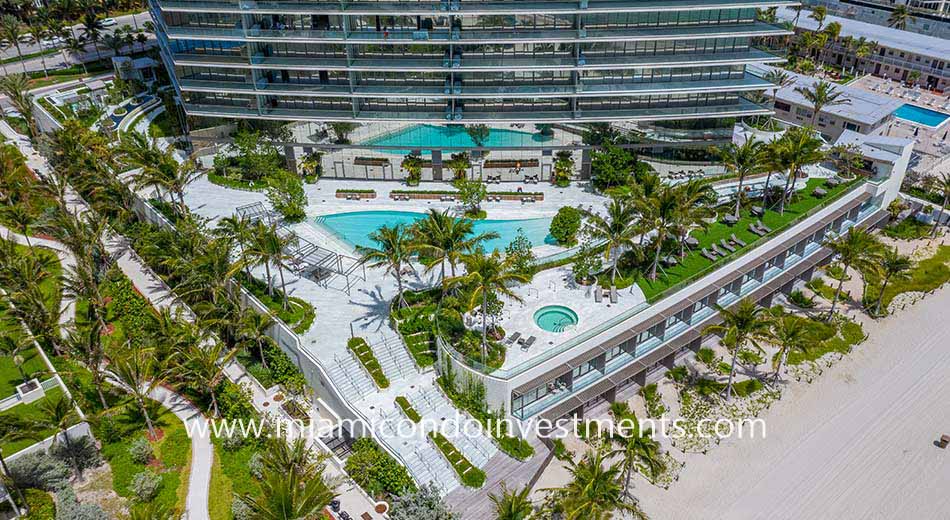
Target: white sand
<point>857,443</point>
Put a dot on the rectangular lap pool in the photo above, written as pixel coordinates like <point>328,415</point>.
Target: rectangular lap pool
<point>921,116</point>
<point>355,227</point>
<point>420,137</point>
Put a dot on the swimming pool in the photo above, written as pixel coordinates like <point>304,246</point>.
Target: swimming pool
<point>418,137</point>
<point>921,115</point>
<point>355,227</point>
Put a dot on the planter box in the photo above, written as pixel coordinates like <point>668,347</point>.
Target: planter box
<point>360,195</point>
<point>371,161</point>
<point>528,163</point>
<point>30,391</point>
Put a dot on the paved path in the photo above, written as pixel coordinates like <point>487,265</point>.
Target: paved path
<point>857,443</point>
<point>202,452</point>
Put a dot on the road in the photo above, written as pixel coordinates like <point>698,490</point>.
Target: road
<point>63,58</point>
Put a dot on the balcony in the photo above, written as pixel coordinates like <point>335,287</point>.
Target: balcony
<point>474,64</point>
<point>442,36</point>
<point>746,83</point>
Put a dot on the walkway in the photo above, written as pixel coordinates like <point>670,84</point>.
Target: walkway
<point>202,453</point>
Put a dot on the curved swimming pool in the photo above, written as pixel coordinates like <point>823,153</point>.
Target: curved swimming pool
<point>355,227</point>
<point>555,318</point>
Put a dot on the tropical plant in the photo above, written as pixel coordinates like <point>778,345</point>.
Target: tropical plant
<point>10,29</point>
<point>202,367</point>
<point>818,14</point>
<point>413,166</point>
<point>459,163</point>
<point>37,32</point>
<point>565,225</point>
<point>471,193</point>
<point>891,266</point>
<point>899,17</point>
<point>941,186</point>
<point>741,327</point>
<point>294,484</point>
<point>137,371</point>
<point>660,215</point>
<point>635,446</point>
<point>268,248</point>
<point>795,150</point>
<point>512,504</point>
<point>394,250</point>
<point>60,414</point>
<point>594,492</point>
<point>743,160</point>
<point>857,248</point>
<point>92,30</point>
<point>790,333</point>
<point>253,332</point>
<point>616,229</point>
<point>17,89</point>
<point>442,238</point>
<point>822,94</point>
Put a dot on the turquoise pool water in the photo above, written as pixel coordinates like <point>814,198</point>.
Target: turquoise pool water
<point>921,115</point>
<point>421,136</point>
<point>356,227</point>
<point>555,318</point>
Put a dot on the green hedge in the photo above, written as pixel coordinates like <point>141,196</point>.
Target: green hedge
<point>467,472</point>
<point>355,191</point>
<point>236,184</point>
<point>299,314</point>
<point>453,192</point>
<point>407,408</point>
<point>376,471</point>
<point>368,360</point>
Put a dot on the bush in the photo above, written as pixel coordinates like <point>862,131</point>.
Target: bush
<point>140,450</point>
<point>678,373</point>
<point>706,356</point>
<point>234,400</point>
<point>852,332</point>
<point>232,442</point>
<point>145,485</point>
<point>69,508</point>
<point>255,465</point>
<point>81,452</point>
<point>565,225</point>
<point>407,408</point>
<point>376,471</point>
<point>285,193</point>
<point>240,511</point>
<point>39,470</point>
<point>799,299</point>
<point>41,505</point>
<point>109,430</point>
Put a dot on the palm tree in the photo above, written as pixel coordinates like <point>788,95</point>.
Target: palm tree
<point>796,149</point>
<point>38,32</point>
<point>744,326</point>
<point>267,247</point>
<point>61,414</point>
<point>594,492</point>
<point>10,29</point>
<point>822,94</point>
<point>394,250</point>
<point>22,219</point>
<point>114,42</point>
<point>92,30</point>
<point>693,209</point>
<point>790,332</point>
<point>203,365</point>
<point>85,344</point>
<point>780,79</point>
<point>12,345</point>
<point>253,329</point>
<point>141,39</point>
<point>743,161</point>
<point>512,504</point>
<point>294,484</point>
<point>16,428</point>
<point>17,88</point>
<point>899,17</point>
<point>857,248</point>
<point>137,371</point>
<point>818,14</point>
<point>637,448</point>
<point>616,229</point>
<point>485,276</point>
<point>237,229</point>
<point>891,266</point>
<point>663,209</point>
<point>942,187</point>
<point>76,47</point>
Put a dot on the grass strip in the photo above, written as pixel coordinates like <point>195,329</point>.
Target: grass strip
<point>467,472</point>
<point>366,357</point>
<point>407,409</point>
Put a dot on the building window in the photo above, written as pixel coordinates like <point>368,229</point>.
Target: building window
<point>784,107</point>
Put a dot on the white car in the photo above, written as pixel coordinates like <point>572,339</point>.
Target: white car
<point>53,43</point>
<point>108,22</point>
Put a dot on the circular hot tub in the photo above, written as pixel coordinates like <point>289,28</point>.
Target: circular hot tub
<point>555,318</point>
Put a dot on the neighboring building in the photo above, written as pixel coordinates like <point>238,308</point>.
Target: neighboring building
<point>882,155</point>
<point>868,113</point>
<point>930,18</point>
<point>138,69</point>
<point>899,54</point>
<point>411,74</point>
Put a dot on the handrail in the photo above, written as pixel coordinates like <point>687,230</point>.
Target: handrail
<point>505,374</point>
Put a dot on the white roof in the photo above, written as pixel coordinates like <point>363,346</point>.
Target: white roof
<point>885,36</point>
<point>876,147</point>
<point>865,107</point>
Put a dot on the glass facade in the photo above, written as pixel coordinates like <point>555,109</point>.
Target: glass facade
<point>464,61</point>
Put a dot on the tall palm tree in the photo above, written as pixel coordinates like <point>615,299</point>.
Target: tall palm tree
<point>394,250</point>
<point>12,346</point>
<point>822,94</point>
<point>236,229</point>
<point>203,366</point>
<point>636,447</point>
<point>790,332</point>
<point>253,329</point>
<point>741,327</point>
<point>795,150</point>
<point>60,414</point>
<point>595,491</point>
<point>38,33</point>
<point>617,229</point>
<point>743,161</point>
<point>891,266</point>
<point>85,344</point>
<point>512,504</point>
<point>899,17</point>
<point>693,210</point>
<point>10,29</point>
<point>269,248</point>
<point>92,30</point>
<point>76,47</point>
<point>818,14</point>
<point>294,485</point>
<point>485,276</point>
<point>941,186</point>
<point>857,248</point>
<point>22,219</point>
<point>114,42</point>
<point>137,371</point>
<point>662,214</point>
<point>17,88</point>
<point>780,79</point>
<point>443,238</point>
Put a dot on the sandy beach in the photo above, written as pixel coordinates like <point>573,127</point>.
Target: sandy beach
<point>856,443</point>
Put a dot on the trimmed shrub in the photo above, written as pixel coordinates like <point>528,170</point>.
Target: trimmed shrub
<point>145,485</point>
<point>565,225</point>
<point>376,471</point>
<point>81,452</point>
<point>140,450</point>
<point>69,508</point>
<point>232,442</point>
<point>255,466</point>
<point>240,511</point>
<point>39,470</point>
<point>234,400</point>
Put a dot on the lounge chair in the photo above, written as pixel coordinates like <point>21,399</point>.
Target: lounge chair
<point>736,240</point>
<point>613,294</point>
<point>763,226</point>
<point>598,294</point>
<point>720,252</point>
<point>726,246</point>
<point>513,338</point>
<point>755,229</point>
<point>527,344</point>
<point>708,255</point>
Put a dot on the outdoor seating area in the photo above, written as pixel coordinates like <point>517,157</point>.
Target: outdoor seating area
<point>531,179</point>
<point>686,175</point>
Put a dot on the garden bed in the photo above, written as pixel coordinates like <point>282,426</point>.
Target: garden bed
<point>438,194</point>
<point>470,475</point>
<point>407,409</point>
<point>361,194</point>
<point>365,355</point>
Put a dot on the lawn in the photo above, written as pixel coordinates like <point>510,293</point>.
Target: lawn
<point>927,275</point>
<point>229,476</point>
<point>30,411</point>
<point>33,365</point>
<point>694,264</point>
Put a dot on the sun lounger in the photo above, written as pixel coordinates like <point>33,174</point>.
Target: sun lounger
<point>720,252</point>
<point>613,294</point>
<point>726,246</point>
<point>736,240</point>
<point>598,294</point>
<point>513,338</point>
<point>527,344</point>
<point>755,229</point>
<point>763,226</point>
<point>708,255</point>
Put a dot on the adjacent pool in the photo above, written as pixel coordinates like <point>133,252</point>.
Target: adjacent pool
<point>555,318</point>
<point>355,227</point>
<point>921,115</point>
<point>420,137</point>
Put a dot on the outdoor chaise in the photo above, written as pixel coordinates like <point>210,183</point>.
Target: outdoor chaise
<point>763,227</point>
<point>736,240</point>
<point>613,294</point>
<point>527,344</point>
<point>720,252</point>
<point>726,246</point>
<point>708,255</point>
<point>598,294</point>
<point>755,229</point>
<point>513,338</point>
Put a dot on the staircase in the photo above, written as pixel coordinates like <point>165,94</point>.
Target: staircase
<point>394,357</point>
<point>430,403</point>
<point>350,377</point>
<point>423,460</point>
